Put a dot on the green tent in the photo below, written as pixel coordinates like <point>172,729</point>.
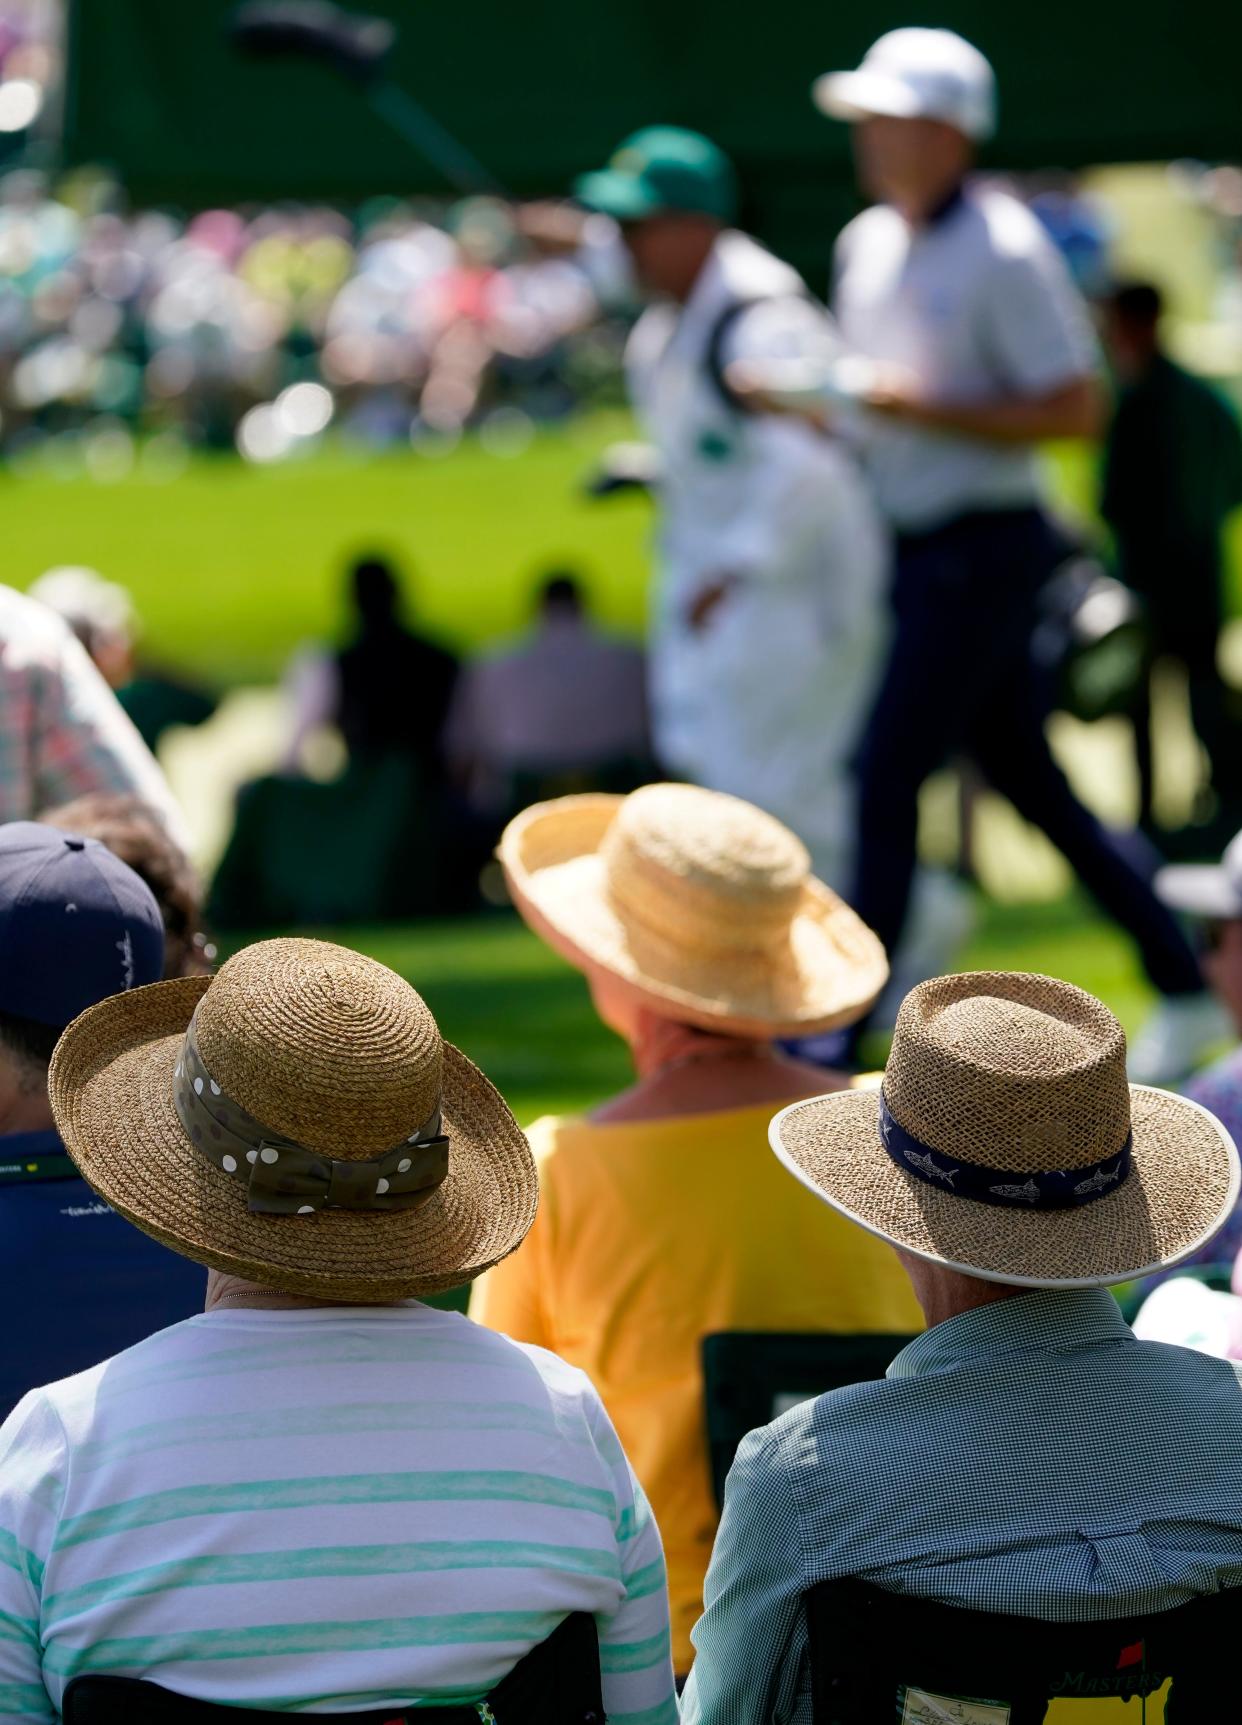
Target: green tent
<point>537,93</point>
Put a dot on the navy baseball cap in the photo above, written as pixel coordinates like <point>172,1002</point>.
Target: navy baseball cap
<point>76,924</point>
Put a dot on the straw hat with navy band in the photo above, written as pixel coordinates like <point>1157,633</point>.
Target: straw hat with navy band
<point>1006,1142</point>
<point>702,906</point>
<point>298,1121</point>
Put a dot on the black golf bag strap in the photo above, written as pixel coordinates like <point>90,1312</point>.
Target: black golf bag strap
<point>722,329</point>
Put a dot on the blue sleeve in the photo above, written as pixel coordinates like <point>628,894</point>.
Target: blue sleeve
<point>1037,326</point>
<point>750,1663</point>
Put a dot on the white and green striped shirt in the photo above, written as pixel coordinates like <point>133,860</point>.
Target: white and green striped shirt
<point>321,1510</point>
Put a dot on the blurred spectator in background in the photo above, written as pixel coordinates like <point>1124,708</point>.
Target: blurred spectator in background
<point>372,842</point>
<point>62,732</point>
<point>565,710</point>
<point>1172,476</point>
<point>101,615</point>
<point>702,939</point>
<point>76,925</point>
<point>1077,226</point>
<point>132,833</point>
<point>387,690</point>
<point>1211,894</point>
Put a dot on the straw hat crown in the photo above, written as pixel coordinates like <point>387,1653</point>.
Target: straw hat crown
<point>1014,1071</point>
<point>699,866</point>
<point>326,1048</point>
<point>700,904</point>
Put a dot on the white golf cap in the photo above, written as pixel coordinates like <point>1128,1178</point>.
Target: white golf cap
<point>1212,890</point>
<point>916,74</point>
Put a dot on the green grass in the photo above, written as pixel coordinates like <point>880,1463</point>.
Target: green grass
<point>524,1016</point>
<point>231,566</point>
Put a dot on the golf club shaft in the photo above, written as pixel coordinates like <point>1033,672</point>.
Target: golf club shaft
<point>411,121</point>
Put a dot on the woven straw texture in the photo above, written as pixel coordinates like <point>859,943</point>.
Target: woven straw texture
<point>1027,1074</point>
<point>328,1049</point>
<point>702,904</point>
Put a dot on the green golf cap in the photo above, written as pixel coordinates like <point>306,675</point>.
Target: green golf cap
<point>662,168</point>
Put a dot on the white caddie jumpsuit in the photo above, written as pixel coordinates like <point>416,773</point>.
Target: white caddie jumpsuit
<point>768,698</point>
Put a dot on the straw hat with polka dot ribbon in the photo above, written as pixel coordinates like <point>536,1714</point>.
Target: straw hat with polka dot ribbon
<point>298,1121</point>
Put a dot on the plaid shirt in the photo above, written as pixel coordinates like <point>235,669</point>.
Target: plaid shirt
<point>1029,1456</point>
<point>62,731</point>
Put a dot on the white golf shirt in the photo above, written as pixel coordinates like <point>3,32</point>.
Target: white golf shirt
<point>978,304</point>
<point>767,699</point>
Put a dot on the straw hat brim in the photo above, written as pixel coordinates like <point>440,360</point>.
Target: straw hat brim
<point>832,971</point>
<point>1183,1183</point>
<point>111,1087</point>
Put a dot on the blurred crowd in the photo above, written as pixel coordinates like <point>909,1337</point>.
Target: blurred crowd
<point>260,328</point>
<point>263,326</point>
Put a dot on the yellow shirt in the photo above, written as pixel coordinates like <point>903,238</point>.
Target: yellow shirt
<point>650,1236</point>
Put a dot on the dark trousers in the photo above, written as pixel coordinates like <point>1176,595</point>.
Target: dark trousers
<point>961,680</point>
<point>1182,596</point>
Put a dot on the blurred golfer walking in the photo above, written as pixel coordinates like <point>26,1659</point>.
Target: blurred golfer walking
<point>979,348</point>
<point>769,618</point>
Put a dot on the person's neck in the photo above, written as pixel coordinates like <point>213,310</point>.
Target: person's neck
<point>683,291</point>
<point>1143,363</point>
<point>683,1071</point>
<point>659,1046</point>
<point>923,207</point>
<point>25,1111</point>
<point>234,1291</point>
<point>944,1293</point>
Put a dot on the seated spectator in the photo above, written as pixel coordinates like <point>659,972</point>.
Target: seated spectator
<point>1026,1455</point>
<point>1186,1313</point>
<point>567,703</point>
<point>101,615</point>
<point>62,733</point>
<point>387,690</point>
<point>76,925</point>
<point>320,1495</point>
<point>305,853</point>
<point>353,847</point>
<point>131,832</point>
<point>663,1217</point>
<point>1211,893</point>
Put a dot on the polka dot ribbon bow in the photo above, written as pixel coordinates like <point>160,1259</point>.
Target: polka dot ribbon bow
<point>284,1179</point>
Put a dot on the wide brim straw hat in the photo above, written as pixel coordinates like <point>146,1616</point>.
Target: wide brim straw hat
<point>701,905</point>
<point>1007,1144</point>
<point>306,1068</point>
